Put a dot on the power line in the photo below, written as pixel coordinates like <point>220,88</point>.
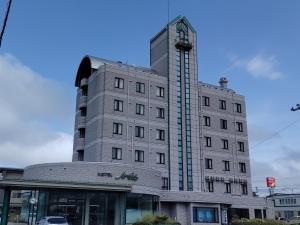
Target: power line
<point>276,133</point>
<point>5,21</point>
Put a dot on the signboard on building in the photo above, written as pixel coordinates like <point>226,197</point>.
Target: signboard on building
<point>270,182</point>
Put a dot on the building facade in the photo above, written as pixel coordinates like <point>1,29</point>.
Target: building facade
<point>286,206</point>
<point>147,141</point>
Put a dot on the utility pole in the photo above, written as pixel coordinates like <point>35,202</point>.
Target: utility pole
<point>296,108</point>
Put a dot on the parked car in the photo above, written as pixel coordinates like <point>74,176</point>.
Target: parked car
<point>52,220</point>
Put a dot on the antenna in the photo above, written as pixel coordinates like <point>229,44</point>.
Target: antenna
<point>5,20</point>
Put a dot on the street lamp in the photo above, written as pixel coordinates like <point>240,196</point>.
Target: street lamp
<point>296,108</point>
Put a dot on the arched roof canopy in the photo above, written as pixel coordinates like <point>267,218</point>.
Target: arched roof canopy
<point>87,66</point>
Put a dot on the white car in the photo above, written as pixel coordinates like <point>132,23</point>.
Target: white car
<point>53,220</point>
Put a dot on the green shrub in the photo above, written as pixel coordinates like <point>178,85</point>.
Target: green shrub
<point>257,222</point>
<point>156,220</point>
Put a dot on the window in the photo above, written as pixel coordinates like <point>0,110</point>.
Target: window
<point>238,107</point>
<point>223,124</point>
<point>165,185</point>
<point>118,105</point>
<point>226,165</point>
<point>206,121</point>
<point>139,156</point>
<point>81,132</point>
<point>222,104</point>
<point>139,131</point>
<point>140,109</point>
<point>242,167</point>
<point>83,111</point>
<point>239,126</point>
<point>205,215</point>
<point>119,83</point>
<point>241,146</point>
<point>117,128</point>
<point>244,189</point>
<point>84,90</point>
<point>205,100</point>
<point>210,186</point>
<point>208,164</point>
<point>160,135</point>
<point>140,87</point>
<point>80,155</point>
<point>160,113</point>
<point>160,92</point>
<point>207,141</point>
<point>160,158</point>
<point>227,187</point>
<point>225,143</point>
<point>117,153</point>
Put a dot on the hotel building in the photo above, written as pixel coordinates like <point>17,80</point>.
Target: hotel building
<point>151,140</point>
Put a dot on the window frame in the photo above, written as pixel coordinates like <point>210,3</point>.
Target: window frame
<point>117,128</point>
<point>225,144</point>
<point>160,112</point>
<point>207,121</point>
<point>160,92</point>
<point>160,135</point>
<point>228,188</point>
<point>139,109</point>
<point>207,141</point>
<point>139,156</point>
<point>118,105</point>
<point>140,87</point>
<point>139,131</point>
<point>226,165</point>
<point>223,124</point>
<point>115,155</point>
<point>205,101</point>
<point>238,107</point>
<point>242,167</point>
<point>239,126</point>
<point>208,164</point>
<point>119,83</point>
<point>222,104</point>
<point>160,158</point>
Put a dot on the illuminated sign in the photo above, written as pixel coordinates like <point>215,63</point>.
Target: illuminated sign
<point>270,182</point>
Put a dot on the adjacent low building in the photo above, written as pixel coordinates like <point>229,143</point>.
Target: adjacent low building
<point>146,141</point>
<point>286,206</point>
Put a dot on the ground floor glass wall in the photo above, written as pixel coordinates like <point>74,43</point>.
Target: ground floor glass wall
<point>27,207</point>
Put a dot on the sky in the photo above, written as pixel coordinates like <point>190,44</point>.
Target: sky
<point>255,44</point>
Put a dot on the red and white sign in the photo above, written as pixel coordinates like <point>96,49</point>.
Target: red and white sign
<point>270,182</point>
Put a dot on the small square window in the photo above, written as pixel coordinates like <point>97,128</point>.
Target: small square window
<point>228,187</point>
<point>139,131</point>
<point>160,135</point>
<point>140,109</point>
<point>117,153</point>
<point>118,105</point>
<point>206,121</point>
<point>244,189</point>
<point>160,158</point>
<point>242,167</point>
<point>207,141</point>
<point>241,146</point>
<point>208,164</point>
<point>223,124</point>
<point>160,113</point>
<point>222,104</point>
<point>238,107</point>
<point>225,143</point>
<point>239,126</point>
<point>205,100</point>
<point>160,92</point>
<point>119,83</point>
<point>139,156</point>
<point>117,128</point>
<point>226,165</point>
<point>210,186</point>
<point>140,87</point>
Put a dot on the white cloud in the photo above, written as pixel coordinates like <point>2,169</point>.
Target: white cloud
<point>28,102</point>
<point>259,66</point>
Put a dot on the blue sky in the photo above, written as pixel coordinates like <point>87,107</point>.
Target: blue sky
<point>255,44</point>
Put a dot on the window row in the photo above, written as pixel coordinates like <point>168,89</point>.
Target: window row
<point>228,189</point>
<point>138,155</point>
<point>139,131</point>
<point>140,87</point>
<point>223,124</point>
<point>226,165</point>
<point>139,109</point>
<point>225,143</point>
<point>222,104</point>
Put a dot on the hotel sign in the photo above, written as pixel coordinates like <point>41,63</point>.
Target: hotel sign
<point>222,179</point>
<point>131,176</point>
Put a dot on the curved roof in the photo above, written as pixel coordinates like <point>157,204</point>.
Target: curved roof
<point>90,63</point>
